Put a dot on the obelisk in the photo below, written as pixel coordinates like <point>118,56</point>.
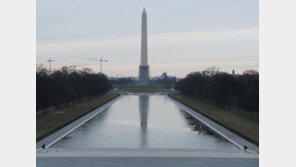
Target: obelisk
<point>144,67</point>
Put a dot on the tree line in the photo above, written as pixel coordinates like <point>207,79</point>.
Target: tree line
<point>63,87</point>
<point>223,89</point>
<point>124,81</point>
<point>167,82</point>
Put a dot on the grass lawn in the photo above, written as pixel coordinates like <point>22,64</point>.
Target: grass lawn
<point>233,119</point>
<point>139,89</point>
<point>49,123</point>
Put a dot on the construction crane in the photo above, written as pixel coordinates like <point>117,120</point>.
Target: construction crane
<point>49,63</point>
<point>101,60</point>
<point>73,67</point>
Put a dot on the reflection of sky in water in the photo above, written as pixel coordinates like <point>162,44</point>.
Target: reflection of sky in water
<point>143,121</point>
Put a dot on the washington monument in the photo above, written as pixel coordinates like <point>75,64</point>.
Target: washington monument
<point>144,67</point>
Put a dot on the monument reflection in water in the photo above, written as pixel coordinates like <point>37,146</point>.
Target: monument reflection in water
<point>144,108</point>
<point>143,121</point>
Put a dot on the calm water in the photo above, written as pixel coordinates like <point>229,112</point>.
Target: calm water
<point>143,121</point>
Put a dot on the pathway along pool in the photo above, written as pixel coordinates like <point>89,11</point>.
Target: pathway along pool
<point>144,121</point>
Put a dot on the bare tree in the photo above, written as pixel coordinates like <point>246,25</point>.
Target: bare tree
<point>251,72</point>
<point>211,71</point>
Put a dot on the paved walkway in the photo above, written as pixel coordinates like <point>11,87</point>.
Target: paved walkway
<point>145,157</point>
<point>146,162</point>
<point>56,136</point>
<point>230,136</point>
<point>210,153</point>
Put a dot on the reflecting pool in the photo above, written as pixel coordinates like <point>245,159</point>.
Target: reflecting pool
<point>144,121</point>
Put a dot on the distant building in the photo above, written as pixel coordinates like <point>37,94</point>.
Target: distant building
<point>234,75</point>
<point>163,75</point>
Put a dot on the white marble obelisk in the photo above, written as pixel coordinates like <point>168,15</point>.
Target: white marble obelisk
<point>144,51</point>
<point>144,67</point>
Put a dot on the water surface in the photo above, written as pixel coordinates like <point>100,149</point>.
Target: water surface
<point>144,121</point>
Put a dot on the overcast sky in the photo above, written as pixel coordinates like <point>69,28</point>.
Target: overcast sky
<point>183,35</point>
